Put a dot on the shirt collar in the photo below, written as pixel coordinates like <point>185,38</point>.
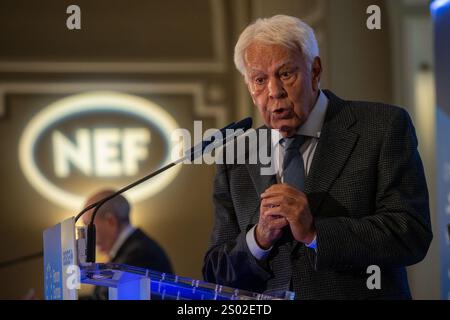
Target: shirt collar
<point>123,236</point>
<point>313,125</point>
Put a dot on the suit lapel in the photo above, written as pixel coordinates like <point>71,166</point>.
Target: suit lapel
<point>261,182</point>
<point>335,146</point>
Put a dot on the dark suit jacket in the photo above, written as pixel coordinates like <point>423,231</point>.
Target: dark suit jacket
<point>367,192</point>
<point>139,251</point>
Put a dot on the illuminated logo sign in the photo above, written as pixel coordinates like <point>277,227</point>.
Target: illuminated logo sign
<point>91,140</point>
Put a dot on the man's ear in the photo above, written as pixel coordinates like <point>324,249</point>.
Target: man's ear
<point>316,73</point>
<point>111,219</point>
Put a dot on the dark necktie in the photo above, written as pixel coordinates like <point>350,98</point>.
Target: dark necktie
<point>293,166</point>
<point>294,175</point>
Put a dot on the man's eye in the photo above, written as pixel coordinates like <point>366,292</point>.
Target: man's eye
<point>259,81</point>
<point>286,75</point>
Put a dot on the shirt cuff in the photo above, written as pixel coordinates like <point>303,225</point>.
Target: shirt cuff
<point>255,249</point>
<point>313,244</point>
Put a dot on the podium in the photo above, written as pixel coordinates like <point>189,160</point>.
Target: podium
<point>128,282</point>
<point>65,269</point>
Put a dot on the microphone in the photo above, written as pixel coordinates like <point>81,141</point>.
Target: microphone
<point>219,137</point>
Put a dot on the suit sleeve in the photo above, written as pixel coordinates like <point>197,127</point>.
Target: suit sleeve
<point>228,260</point>
<point>149,259</point>
<point>398,233</point>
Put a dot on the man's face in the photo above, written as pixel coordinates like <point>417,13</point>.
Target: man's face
<point>283,87</point>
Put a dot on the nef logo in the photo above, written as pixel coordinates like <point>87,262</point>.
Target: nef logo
<point>92,140</point>
<point>103,152</point>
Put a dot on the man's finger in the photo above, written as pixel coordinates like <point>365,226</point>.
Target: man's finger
<point>272,201</point>
<point>285,190</point>
<point>278,223</point>
<point>275,211</point>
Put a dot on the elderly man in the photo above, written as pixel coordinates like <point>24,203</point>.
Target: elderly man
<point>349,190</point>
<point>120,241</point>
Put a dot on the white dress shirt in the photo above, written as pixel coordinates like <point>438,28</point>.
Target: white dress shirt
<point>311,128</point>
<point>123,236</point>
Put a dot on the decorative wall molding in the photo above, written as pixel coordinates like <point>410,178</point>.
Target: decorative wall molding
<point>198,91</point>
<point>217,65</point>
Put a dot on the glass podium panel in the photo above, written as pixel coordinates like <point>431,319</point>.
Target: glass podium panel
<point>128,282</point>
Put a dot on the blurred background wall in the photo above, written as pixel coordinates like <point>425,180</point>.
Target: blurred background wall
<point>178,55</point>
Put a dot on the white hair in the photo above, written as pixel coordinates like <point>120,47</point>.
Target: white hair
<point>282,30</point>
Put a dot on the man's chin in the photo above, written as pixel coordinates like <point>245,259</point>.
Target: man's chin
<point>287,127</point>
<point>285,130</point>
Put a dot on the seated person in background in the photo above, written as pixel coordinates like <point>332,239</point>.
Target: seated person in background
<point>120,241</point>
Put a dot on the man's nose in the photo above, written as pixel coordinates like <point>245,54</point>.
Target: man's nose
<point>276,90</point>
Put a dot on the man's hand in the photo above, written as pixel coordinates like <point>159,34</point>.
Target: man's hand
<point>282,204</point>
<point>269,228</point>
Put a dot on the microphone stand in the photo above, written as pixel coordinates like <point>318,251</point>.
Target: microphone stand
<point>193,153</point>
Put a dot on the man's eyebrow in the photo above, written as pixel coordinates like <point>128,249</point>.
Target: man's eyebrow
<point>255,70</point>
<point>281,65</point>
<point>285,64</point>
